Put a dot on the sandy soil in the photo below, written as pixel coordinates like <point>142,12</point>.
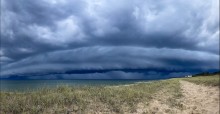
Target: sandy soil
<point>200,99</point>
<point>159,105</point>
<point>197,99</point>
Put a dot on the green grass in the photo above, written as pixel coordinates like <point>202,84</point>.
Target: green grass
<point>204,80</point>
<point>86,99</point>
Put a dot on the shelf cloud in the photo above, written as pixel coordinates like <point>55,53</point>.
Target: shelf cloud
<point>50,36</point>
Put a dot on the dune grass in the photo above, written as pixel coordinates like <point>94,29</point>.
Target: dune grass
<point>111,99</point>
<point>205,80</point>
<point>104,99</point>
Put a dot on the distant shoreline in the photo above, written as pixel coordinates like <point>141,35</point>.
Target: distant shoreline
<point>177,95</point>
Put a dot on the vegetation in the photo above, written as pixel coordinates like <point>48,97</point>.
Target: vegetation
<point>205,80</point>
<point>105,99</point>
<point>207,74</point>
<point>116,99</point>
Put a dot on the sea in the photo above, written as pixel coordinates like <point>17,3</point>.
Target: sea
<point>32,85</point>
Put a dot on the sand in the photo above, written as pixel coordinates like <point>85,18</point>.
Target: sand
<point>200,99</point>
<point>197,99</point>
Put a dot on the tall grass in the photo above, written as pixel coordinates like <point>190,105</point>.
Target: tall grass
<point>106,99</point>
<point>205,80</point>
<point>114,99</point>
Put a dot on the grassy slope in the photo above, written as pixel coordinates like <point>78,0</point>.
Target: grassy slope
<point>84,99</point>
<point>205,80</point>
<point>96,99</point>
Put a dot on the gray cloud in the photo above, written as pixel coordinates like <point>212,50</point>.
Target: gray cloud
<point>59,35</point>
<point>108,75</point>
<point>114,58</point>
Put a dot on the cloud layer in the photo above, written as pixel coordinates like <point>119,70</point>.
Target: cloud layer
<point>62,35</point>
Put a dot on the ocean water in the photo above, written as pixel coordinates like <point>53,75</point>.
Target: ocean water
<point>31,85</point>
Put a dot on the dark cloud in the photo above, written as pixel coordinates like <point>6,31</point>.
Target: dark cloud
<point>61,35</point>
<point>100,58</point>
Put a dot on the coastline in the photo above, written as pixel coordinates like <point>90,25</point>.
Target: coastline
<point>140,97</point>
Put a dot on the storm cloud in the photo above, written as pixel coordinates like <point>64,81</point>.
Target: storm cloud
<point>50,36</point>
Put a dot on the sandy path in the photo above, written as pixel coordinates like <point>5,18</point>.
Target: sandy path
<point>200,99</point>
<point>197,99</point>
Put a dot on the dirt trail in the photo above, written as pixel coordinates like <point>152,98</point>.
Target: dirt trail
<point>197,99</point>
<point>200,99</point>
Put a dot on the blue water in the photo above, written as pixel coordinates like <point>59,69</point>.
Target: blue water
<point>30,85</point>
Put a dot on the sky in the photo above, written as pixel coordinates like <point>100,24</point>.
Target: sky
<point>108,39</point>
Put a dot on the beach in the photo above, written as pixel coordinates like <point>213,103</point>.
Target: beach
<point>171,96</point>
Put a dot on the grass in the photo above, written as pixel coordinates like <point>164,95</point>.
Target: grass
<point>115,99</point>
<point>173,91</point>
<point>105,99</point>
<point>205,80</point>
